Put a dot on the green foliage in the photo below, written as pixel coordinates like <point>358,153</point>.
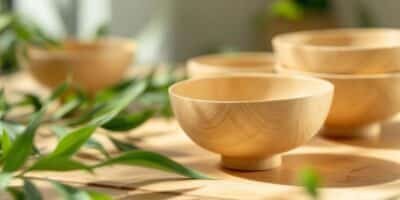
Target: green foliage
<point>310,180</point>
<point>152,160</point>
<point>21,149</point>
<point>296,9</point>
<point>74,122</point>
<point>15,32</point>
<point>122,146</point>
<point>31,192</point>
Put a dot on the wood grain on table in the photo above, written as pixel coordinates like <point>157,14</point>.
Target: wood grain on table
<point>351,169</point>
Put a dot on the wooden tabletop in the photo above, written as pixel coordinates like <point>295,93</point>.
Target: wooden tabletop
<point>351,169</point>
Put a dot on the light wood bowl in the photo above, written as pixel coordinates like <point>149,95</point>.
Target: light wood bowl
<point>251,119</point>
<point>360,102</point>
<point>91,65</point>
<point>343,51</point>
<point>220,64</point>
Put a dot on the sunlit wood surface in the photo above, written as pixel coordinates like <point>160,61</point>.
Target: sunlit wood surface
<point>351,169</point>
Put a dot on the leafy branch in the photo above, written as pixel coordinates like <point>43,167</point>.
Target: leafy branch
<point>117,109</point>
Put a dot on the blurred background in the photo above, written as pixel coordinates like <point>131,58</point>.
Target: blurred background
<point>173,30</point>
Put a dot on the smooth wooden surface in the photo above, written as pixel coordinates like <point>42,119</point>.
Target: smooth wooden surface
<point>343,51</point>
<point>359,102</point>
<point>92,65</point>
<point>351,169</point>
<point>244,117</point>
<point>220,64</point>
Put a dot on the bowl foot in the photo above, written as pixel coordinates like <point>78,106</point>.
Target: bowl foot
<point>251,164</point>
<point>368,131</point>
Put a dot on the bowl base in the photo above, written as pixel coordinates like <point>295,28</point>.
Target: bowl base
<point>368,131</point>
<point>251,164</point>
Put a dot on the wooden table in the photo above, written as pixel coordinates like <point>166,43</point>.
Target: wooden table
<point>351,169</point>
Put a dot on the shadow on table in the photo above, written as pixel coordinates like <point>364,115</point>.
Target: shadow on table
<point>388,139</point>
<point>337,170</point>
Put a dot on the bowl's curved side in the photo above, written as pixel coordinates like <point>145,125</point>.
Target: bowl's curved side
<point>91,71</point>
<point>333,57</point>
<point>254,130</point>
<point>360,100</point>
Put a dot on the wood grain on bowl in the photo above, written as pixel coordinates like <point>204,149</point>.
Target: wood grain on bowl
<point>360,101</point>
<point>342,51</point>
<point>251,119</point>
<point>91,65</point>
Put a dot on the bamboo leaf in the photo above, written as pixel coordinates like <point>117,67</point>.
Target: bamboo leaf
<point>51,163</point>
<point>310,180</point>
<point>5,179</point>
<point>5,142</point>
<point>90,143</point>
<point>116,105</point>
<point>12,129</point>
<point>16,193</point>
<point>5,21</point>
<point>94,144</point>
<point>152,160</point>
<point>73,141</point>
<point>122,146</point>
<point>31,191</point>
<point>71,193</point>
<point>58,91</point>
<point>124,122</point>
<point>67,108</point>
<point>22,146</point>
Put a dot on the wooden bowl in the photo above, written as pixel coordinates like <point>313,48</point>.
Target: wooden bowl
<point>251,119</point>
<point>360,102</point>
<point>220,64</point>
<point>343,51</point>
<point>91,65</point>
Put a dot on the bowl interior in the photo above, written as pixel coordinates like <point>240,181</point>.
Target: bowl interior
<point>240,60</point>
<point>249,88</point>
<point>346,38</point>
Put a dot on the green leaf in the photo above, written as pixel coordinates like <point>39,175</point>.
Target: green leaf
<point>122,146</point>
<point>5,142</point>
<point>5,21</point>
<point>12,129</point>
<point>86,116</point>
<point>4,107</point>
<point>310,180</point>
<point>116,105</point>
<point>67,108</point>
<point>98,196</point>
<point>61,131</point>
<point>287,9</point>
<point>16,193</point>
<point>152,160</point>
<point>94,144</point>
<point>5,179</point>
<point>103,31</point>
<point>31,99</point>
<point>73,141</point>
<point>71,193</point>
<point>31,191</point>
<point>58,91</point>
<point>52,163</point>
<point>127,122</point>
<point>22,146</point>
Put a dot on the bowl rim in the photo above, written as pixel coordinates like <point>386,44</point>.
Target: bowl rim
<point>198,62</point>
<point>281,68</point>
<point>127,44</point>
<point>281,39</point>
<point>327,87</point>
